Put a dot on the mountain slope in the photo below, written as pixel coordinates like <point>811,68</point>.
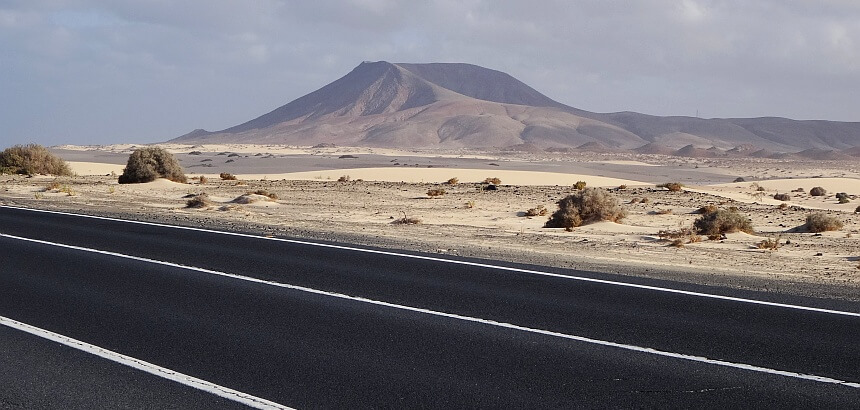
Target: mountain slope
<point>463,105</point>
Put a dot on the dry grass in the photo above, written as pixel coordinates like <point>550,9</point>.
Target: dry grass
<point>579,185</point>
<point>539,210</point>
<point>770,244</point>
<point>149,164</point>
<point>453,181</point>
<point>226,176</point>
<point>407,220</point>
<point>722,221</point>
<point>662,211</point>
<point>671,186</point>
<point>821,222</point>
<point>343,178</point>
<point>494,181</point>
<point>198,201</point>
<point>435,192</point>
<point>32,159</point>
<point>202,180</point>
<point>470,204</point>
<point>271,195</point>
<point>706,209</point>
<point>679,237</point>
<point>586,206</point>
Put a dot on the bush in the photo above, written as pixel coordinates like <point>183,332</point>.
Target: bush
<point>586,206</point>
<point>271,195</point>
<point>494,181</point>
<point>453,181</point>
<point>723,221</point>
<point>32,159</point>
<point>435,192</point>
<point>857,210</point>
<point>343,178</point>
<point>782,197</point>
<point>739,179</point>
<point>770,244</point>
<point>148,164</point>
<point>226,176</point>
<point>671,186</point>
<point>579,185</point>
<point>817,191</point>
<point>821,222</point>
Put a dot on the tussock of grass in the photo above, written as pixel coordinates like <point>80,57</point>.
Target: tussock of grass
<point>435,192</point>
<point>821,222</point>
<point>722,221</point>
<point>198,201</point>
<point>493,180</point>
<point>671,186</point>
<point>539,210</point>
<point>453,181</point>
<point>226,176</point>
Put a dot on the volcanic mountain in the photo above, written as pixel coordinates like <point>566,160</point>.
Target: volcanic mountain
<point>448,105</point>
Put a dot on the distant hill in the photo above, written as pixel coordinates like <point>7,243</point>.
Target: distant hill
<point>448,105</point>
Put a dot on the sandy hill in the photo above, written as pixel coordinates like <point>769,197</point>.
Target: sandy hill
<point>451,105</point>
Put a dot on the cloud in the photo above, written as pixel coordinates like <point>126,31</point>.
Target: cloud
<point>100,71</point>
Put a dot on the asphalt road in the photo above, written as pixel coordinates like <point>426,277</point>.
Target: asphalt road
<point>319,343</point>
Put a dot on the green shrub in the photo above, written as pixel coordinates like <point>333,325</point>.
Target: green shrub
<point>586,206</point>
<point>723,221</point>
<point>149,164</point>
<point>32,159</point>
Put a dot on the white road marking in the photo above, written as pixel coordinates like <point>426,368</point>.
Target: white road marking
<point>634,348</point>
<point>145,366</point>
<point>459,262</point>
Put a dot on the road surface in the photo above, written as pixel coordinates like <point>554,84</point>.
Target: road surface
<point>324,325</point>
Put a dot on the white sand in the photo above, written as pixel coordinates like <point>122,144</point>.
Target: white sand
<point>438,175</point>
<point>94,168</point>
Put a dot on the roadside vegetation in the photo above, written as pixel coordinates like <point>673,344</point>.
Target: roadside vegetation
<point>149,164</point>
<point>586,206</point>
<point>32,159</point>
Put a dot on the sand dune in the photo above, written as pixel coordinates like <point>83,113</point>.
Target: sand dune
<point>439,175</point>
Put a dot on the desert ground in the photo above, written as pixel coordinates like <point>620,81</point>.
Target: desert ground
<point>358,194</point>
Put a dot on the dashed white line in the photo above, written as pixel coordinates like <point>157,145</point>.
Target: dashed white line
<point>459,262</point>
<point>199,384</point>
<point>583,339</point>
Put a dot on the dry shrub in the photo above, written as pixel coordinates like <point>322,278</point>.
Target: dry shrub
<point>494,181</point>
<point>783,206</point>
<point>622,186</point>
<point>203,180</point>
<point>343,178</point>
<point>32,159</point>
<point>198,201</point>
<point>53,186</point>
<point>579,185</point>
<point>634,201</point>
<point>539,210</point>
<point>857,210</point>
<point>770,244</point>
<point>671,186</point>
<point>706,209</point>
<point>722,221</point>
<point>821,222</point>
<point>271,195</point>
<point>586,206</point>
<point>680,236</point>
<point>739,179</point>
<point>662,212</point>
<point>470,204</point>
<point>453,181</point>
<point>226,176</point>
<point>148,164</point>
<point>817,191</point>
<point>407,220</point>
<point>842,197</point>
<point>782,197</point>
<point>435,192</point>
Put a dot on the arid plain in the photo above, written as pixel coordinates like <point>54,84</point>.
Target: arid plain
<point>357,195</point>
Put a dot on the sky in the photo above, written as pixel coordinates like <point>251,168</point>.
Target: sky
<point>123,71</point>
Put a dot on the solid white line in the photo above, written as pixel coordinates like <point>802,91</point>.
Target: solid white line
<point>145,366</point>
<point>634,348</point>
<point>459,262</point>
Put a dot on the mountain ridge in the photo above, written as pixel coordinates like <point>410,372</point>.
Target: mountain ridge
<point>459,105</point>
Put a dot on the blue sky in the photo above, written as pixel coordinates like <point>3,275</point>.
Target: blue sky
<point>97,72</point>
